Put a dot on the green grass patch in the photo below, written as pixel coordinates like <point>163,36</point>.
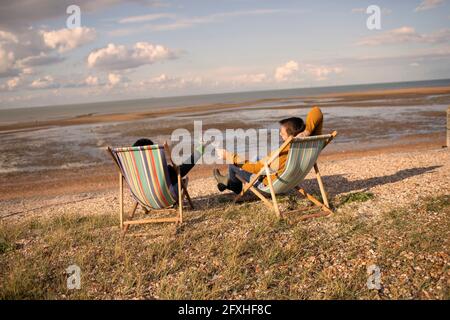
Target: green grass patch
<point>4,245</point>
<point>231,252</point>
<point>438,203</point>
<point>356,197</point>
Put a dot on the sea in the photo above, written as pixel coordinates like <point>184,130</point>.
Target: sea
<point>41,113</point>
<point>362,123</point>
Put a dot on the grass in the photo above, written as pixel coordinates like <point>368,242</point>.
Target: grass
<point>4,246</point>
<point>437,204</point>
<point>231,251</point>
<point>356,197</point>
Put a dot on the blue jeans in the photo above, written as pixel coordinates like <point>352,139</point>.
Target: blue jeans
<point>234,184</point>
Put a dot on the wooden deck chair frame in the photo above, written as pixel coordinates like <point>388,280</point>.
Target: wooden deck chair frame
<point>249,186</point>
<point>182,194</point>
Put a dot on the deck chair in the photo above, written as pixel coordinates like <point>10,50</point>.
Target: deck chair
<point>302,157</point>
<point>146,173</point>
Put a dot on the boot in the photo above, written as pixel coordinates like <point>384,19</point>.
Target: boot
<point>236,187</point>
<point>221,187</point>
<point>221,179</point>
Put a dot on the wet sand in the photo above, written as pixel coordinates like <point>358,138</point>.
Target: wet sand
<point>44,184</point>
<point>209,109</point>
<point>100,178</point>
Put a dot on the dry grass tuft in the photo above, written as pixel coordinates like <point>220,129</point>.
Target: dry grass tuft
<point>232,251</point>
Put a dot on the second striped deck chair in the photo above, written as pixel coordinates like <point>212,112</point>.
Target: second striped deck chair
<point>302,157</point>
<point>146,173</point>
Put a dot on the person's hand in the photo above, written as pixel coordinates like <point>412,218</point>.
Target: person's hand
<point>166,146</point>
<point>167,152</point>
<point>302,134</point>
<point>221,153</point>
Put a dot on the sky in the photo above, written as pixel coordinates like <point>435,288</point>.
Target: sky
<point>131,49</point>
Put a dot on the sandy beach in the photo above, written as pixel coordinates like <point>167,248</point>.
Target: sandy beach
<point>386,174</point>
<point>359,209</point>
<point>100,175</point>
<point>339,98</point>
<point>48,192</point>
<point>401,225</point>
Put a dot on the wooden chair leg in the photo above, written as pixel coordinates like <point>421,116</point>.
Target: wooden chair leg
<point>314,200</point>
<point>188,197</point>
<point>245,187</point>
<point>180,198</point>
<point>125,228</point>
<point>238,196</point>
<point>121,200</point>
<point>272,192</point>
<point>321,186</point>
<point>256,192</point>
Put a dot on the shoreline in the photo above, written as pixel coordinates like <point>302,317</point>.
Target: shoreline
<point>20,186</point>
<point>369,140</point>
<point>389,209</point>
<point>93,118</point>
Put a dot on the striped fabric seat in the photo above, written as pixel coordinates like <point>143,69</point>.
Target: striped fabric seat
<point>303,154</point>
<point>302,157</point>
<point>146,172</point>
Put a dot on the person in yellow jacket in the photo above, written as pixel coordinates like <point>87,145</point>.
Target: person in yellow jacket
<point>288,127</point>
<point>314,123</point>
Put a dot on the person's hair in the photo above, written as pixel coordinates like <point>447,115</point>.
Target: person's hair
<point>293,125</point>
<point>143,142</point>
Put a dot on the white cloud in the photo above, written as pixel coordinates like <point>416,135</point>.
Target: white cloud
<point>428,4</point>
<point>27,71</point>
<point>6,36</point>
<point>91,81</point>
<point>292,70</point>
<point>114,79</point>
<point>13,83</point>
<point>39,60</point>
<point>403,34</point>
<point>68,39</point>
<point>406,35</point>
<point>285,71</point>
<point>385,11</point>
<point>162,78</point>
<point>217,17</point>
<point>321,73</point>
<point>163,81</point>
<point>166,82</point>
<point>250,78</point>
<point>24,50</point>
<point>178,22</point>
<point>359,10</point>
<point>10,84</point>
<point>146,18</point>
<point>17,81</point>
<point>117,57</point>
<point>414,64</point>
<point>20,15</point>
<point>6,61</point>
<point>47,82</point>
<point>426,54</point>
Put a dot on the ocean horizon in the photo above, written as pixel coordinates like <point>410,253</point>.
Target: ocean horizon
<point>41,113</point>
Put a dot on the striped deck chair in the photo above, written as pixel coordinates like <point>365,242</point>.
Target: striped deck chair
<point>302,157</point>
<point>146,173</point>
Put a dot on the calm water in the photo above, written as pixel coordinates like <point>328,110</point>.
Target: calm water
<point>58,112</point>
<point>380,122</point>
